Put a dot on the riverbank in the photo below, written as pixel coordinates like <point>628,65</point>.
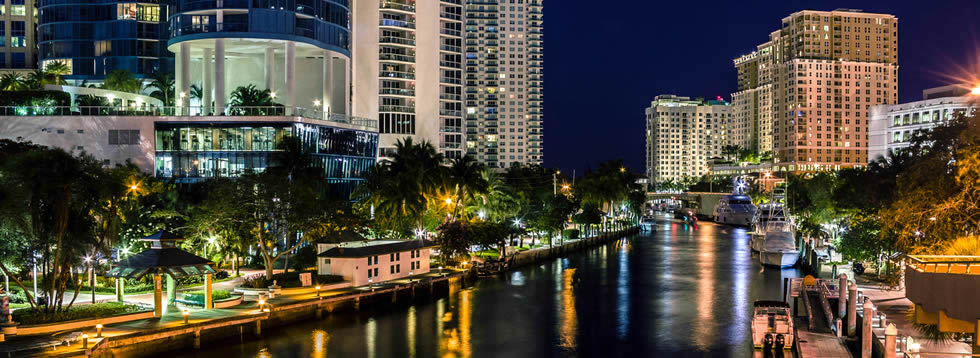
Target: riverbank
<point>247,321</point>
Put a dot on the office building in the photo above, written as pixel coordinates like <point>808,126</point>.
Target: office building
<point>683,135</point>
<point>752,106</point>
<point>827,69</point>
<point>408,71</point>
<point>97,37</point>
<point>504,81</point>
<point>893,126</point>
<point>17,41</point>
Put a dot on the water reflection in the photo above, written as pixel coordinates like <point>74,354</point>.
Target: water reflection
<point>671,293</point>
<point>569,321</point>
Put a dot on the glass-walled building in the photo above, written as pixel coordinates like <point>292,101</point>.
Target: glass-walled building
<point>190,152</point>
<point>96,37</point>
<point>17,49</point>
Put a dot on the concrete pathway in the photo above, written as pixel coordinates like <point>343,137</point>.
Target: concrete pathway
<point>819,345</point>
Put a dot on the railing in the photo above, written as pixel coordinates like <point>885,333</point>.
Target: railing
<point>396,57</point>
<point>398,23</point>
<point>397,6</point>
<point>396,40</point>
<point>188,111</point>
<point>398,74</point>
<point>967,265</point>
<point>450,112</point>
<point>400,109</point>
<point>398,91</point>
<point>451,129</point>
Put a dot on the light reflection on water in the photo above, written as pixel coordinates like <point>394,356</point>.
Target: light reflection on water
<point>676,292</point>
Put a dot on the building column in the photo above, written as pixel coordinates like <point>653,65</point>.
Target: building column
<point>184,90</point>
<point>345,106</point>
<point>208,298</point>
<point>207,85</point>
<point>291,77</point>
<point>327,84</point>
<point>219,76</point>
<point>270,69</point>
<point>157,296</point>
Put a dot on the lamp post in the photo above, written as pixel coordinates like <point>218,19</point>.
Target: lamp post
<point>98,330</point>
<point>318,292</point>
<point>91,276</point>
<point>186,314</point>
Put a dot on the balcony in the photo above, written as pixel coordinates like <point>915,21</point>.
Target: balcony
<point>398,75</point>
<point>396,109</point>
<point>450,112</point>
<point>394,57</point>
<point>391,5</point>
<point>408,92</point>
<point>398,23</point>
<point>450,97</point>
<point>451,16</point>
<point>449,80</point>
<point>395,40</point>
<point>450,48</point>
<point>451,129</point>
<point>450,32</point>
<point>196,111</point>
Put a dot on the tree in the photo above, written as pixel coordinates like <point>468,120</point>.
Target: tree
<point>260,101</point>
<point>123,81</point>
<point>454,240</point>
<point>496,202</point>
<point>402,190</point>
<point>57,70</point>
<point>465,176</point>
<point>161,87</point>
<point>12,81</point>
<point>51,217</point>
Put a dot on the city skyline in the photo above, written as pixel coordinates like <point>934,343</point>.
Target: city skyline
<point>705,67</point>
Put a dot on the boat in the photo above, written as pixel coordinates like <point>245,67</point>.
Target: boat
<point>774,234</point>
<point>772,326</point>
<point>768,216</point>
<point>648,223</point>
<point>734,210</point>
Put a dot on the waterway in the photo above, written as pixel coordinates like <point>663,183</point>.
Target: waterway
<point>681,291</point>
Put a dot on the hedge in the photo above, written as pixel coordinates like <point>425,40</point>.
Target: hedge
<point>99,310</point>
<point>570,234</point>
<point>198,296</point>
<point>35,98</point>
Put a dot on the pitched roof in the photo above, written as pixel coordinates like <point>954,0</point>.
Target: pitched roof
<point>174,261</point>
<point>378,249</point>
<point>162,235</point>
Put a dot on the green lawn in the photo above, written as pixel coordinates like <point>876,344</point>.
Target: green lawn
<point>489,254</point>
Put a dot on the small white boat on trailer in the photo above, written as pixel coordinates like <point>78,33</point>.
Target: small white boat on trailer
<point>772,326</point>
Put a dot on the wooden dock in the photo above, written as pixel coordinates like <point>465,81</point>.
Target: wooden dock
<point>818,345</point>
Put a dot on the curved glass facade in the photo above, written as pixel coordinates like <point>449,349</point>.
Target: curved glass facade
<point>323,23</point>
<point>96,37</point>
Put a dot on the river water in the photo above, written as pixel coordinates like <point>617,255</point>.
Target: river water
<point>681,291</point>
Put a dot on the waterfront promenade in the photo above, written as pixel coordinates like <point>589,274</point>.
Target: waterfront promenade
<point>289,305</point>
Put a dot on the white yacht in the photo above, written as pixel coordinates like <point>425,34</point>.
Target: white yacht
<point>648,223</point>
<point>774,234</point>
<point>735,209</point>
<point>772,326</point>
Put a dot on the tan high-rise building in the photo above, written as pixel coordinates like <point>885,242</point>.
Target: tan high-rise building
<point>682,135</point>
<point>18,21</point>
<point>408,71</point>
<point>504,73</point>
<point>813,82</point>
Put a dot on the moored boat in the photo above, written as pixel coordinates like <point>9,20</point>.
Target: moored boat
<point>772,326</point>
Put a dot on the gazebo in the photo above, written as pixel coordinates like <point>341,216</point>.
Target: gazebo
<point>164,258</point>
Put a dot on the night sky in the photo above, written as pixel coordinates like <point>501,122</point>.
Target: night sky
<point>606,60</point>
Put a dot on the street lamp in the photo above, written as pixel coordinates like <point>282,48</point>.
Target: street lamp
<point>186,315</point>
<point>975,91</point>
<point>318,292</point>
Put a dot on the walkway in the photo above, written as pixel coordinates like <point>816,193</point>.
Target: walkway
<point>819,345</point>
<point>897,309</point>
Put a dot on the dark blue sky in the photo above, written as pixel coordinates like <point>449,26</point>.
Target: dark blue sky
<point>606,60</point>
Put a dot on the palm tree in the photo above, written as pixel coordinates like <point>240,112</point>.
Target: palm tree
<point>496,201</point>
<point>122,80</point>
<point>37,79</point>
<point>400,190</point>
<point>161,87</point>
<point>57,69</point>
<point>466,180</point>
<point>250,96</point>
<point>12,81</point>
<point>197,92</point>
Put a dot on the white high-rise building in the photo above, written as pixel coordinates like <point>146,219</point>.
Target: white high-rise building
<point>682,135</point>
<point>408,71</point>
<point>504,73</point>
<point>893,126</point>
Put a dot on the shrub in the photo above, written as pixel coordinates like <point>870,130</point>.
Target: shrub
<point>305,258</point>
<point>221,275</point>
<point>570,234</point>
<point>35,98</point>
<point>198,296</point>
<point>256,281</point>
<point>98,310</point>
